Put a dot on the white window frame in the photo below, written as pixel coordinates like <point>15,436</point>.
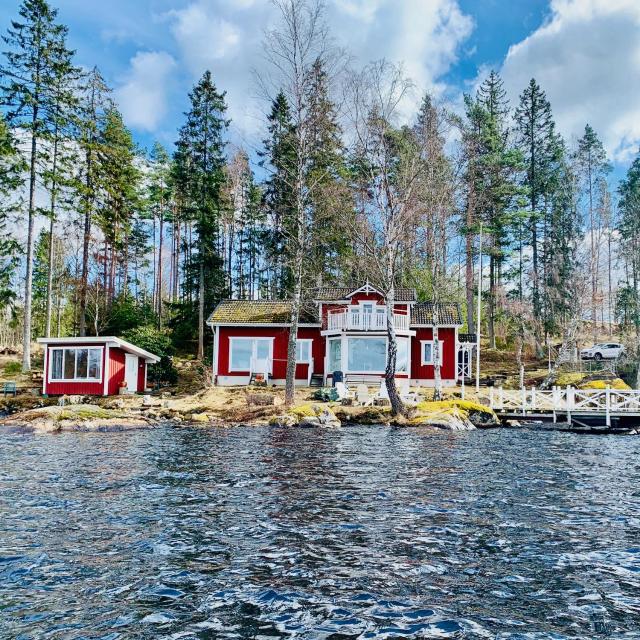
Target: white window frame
<point>364,337</point>
<point>75,363</point>
<point>254,351</point>
<point>431,361</point>
<point>310,342</point>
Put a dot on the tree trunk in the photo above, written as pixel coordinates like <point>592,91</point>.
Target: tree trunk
<point>201,312</point>
<point>26,336</point>
<point>437,368</point>
<point>469,283</point>
<point>159,294</point>
<point>397,406</point>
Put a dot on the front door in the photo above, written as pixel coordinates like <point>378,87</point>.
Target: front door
<point>131,372</point>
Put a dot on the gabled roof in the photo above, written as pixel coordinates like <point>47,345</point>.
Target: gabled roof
<point>111,341</point>
<point>432,313</point>
<point>328,294</point>
<point>259,312</point>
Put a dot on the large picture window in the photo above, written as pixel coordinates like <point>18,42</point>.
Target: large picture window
<point>76,364</point>
<point>366,354</point>
<point>246,351</point>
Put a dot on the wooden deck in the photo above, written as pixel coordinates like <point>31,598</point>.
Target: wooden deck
<point>584,409</point>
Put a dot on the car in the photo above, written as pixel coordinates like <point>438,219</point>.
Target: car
<point>603,351</point>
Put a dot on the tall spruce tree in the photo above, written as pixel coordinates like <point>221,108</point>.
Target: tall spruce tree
<point>497,189</point>
<point>36,58</point>
<point>12,166</point>
<point>95,103</point>
<point>200,149</point>
<point>327,176</point>
<point>540,148</point>
<point>279,158</point>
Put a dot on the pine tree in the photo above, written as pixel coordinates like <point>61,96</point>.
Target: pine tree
<point>628,297</point>
<point>159,200</point>
<point>593,166</point>
<point>119,201</point>
<point>200,150</point>
<point>36,58</point>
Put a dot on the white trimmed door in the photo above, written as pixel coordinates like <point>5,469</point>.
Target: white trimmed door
<point>131,372</point>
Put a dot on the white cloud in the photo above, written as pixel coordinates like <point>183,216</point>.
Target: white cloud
<point>143,95</point>
<point>221,35</point>
<point>587,58</point>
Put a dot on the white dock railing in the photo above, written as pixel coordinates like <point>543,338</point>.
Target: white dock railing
<point>565,400</point>
<point>358,321</point>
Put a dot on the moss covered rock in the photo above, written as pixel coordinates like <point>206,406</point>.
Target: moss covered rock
<point>453,415</point>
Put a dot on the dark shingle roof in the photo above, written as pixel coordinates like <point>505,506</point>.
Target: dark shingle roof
<point>431,313</point>
<point>259,312</point>
<point>326,294</point>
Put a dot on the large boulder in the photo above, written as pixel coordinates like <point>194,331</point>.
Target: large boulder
<point>453,415</point>
<point>307,415</point>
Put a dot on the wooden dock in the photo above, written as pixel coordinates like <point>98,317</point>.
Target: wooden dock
<point>569,409</point>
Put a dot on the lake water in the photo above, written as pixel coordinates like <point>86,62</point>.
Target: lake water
<point>360,532</point>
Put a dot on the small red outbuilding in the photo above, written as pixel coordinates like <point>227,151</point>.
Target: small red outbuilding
<point>94,366</point>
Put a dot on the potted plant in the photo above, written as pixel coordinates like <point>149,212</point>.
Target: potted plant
<point>122,387</point>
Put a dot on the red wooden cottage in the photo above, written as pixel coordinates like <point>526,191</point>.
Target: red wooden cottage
<point>341,329</point>
<point>94,366</point>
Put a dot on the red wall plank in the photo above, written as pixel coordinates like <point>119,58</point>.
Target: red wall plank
<point>116,369</point>
<point>74,388</point>
<point>448,370</point>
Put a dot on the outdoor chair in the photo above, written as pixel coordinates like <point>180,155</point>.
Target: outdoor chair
<point>363,397</point>
<point>10,389</point>
<point>344,393</point>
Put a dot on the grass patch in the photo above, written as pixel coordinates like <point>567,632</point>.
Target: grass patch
<point>12,368</point>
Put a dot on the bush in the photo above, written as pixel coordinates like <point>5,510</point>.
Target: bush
<point>157,342</point>
<point>12,368</point>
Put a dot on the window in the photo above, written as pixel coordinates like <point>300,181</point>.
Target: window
<point>244,351</point>
<point>303,350</point>
<point>428,348</point>
<point>82,363</point>
<point>402,356</point>
<point>366,354</point>
<point>335,355</point>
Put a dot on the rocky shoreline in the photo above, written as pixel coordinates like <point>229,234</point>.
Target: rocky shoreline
<point>118,415</point>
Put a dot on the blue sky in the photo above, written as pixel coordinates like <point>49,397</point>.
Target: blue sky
<point>585,54</point>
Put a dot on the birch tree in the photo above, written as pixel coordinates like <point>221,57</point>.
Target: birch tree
<point>292,49</point>
<point>388,165</point>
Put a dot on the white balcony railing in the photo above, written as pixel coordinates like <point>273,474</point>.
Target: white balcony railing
<point>359,321</point>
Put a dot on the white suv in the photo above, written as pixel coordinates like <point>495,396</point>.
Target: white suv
<point>603,350</point>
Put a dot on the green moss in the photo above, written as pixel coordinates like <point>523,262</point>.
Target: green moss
<point>84,413</point>
<point>448,405</point>
<point>305,411</point>
<point>616,383</point>
<point>570,379</point>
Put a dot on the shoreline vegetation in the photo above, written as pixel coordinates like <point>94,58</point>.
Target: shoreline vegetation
<point>229,406</point>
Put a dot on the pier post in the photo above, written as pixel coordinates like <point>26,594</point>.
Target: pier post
<point>524,399</point>
<point>491,398</point>
<point>569,403</point>
<point>501,397</point>
<point>607,395</point>
<point>533,398</point>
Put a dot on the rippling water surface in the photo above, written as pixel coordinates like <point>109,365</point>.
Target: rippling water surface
<point>361,532</point>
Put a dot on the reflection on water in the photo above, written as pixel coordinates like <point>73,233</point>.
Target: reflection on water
<point>361,532</point>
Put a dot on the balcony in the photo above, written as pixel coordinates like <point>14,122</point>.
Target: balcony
<point>363,321</point>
